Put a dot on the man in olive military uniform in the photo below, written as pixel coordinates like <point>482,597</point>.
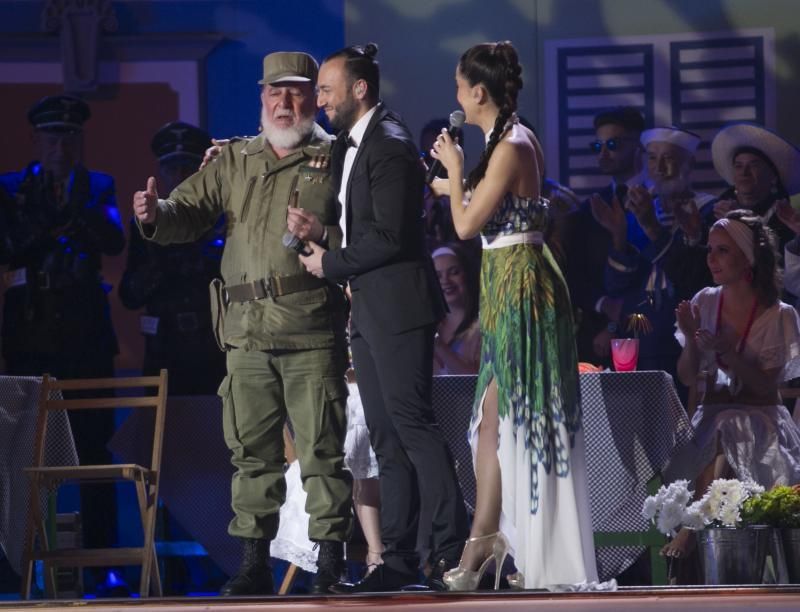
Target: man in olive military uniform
<point>57,219</point>
<point>282,327</point>
<point>171,282</point>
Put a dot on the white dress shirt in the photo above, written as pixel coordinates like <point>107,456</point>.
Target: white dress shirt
<point>356,136</point>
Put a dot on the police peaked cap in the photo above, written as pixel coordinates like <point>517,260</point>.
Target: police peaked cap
<point>179,139</point>
<point>60,113</point>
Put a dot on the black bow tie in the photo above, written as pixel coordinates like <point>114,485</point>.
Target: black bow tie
<point>351,142</point>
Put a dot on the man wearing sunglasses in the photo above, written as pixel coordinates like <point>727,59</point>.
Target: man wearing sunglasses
<point>619,156</point>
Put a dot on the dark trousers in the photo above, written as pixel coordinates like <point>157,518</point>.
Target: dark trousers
<point>416,467</point>
<point>91,430</point>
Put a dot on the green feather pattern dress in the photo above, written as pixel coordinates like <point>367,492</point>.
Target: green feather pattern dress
<point>528,348</point>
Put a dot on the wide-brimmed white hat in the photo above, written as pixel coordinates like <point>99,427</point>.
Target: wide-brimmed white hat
<point>783,154</point>
<point>673,135</point>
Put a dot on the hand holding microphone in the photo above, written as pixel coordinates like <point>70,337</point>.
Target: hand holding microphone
<point>290,241</point>
<point>304,226</point>
<point>457,118</point>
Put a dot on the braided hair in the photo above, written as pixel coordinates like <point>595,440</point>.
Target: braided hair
<point>496,67</point>
<point>766,272</point>
<point>360,63</point>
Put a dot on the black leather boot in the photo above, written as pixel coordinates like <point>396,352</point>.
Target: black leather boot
<point>330,567</point>
<point>255,575</point>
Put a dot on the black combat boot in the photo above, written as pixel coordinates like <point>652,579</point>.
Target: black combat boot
<point>330,567</point>
<point>255,575</point>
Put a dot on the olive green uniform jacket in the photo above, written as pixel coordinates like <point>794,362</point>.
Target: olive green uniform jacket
<point>253,188</point>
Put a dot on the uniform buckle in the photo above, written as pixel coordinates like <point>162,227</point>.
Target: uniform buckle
<point>274,284</point>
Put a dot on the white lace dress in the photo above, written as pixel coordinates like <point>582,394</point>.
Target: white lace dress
<point>761,443</point>
<point>291,543</point>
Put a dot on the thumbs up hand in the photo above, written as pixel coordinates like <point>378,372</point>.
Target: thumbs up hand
<point>144,202</point>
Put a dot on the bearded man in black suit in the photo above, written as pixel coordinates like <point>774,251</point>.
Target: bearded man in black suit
<point>396,303</point>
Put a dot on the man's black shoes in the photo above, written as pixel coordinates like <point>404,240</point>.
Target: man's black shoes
<point>382,579</point>
<point>435,580</point>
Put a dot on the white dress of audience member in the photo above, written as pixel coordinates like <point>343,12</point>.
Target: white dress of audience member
<point>291,543</point>
<point>741,415</point>
<point>763,170</point>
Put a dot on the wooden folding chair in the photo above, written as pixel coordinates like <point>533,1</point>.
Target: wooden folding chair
<point>38,543</point>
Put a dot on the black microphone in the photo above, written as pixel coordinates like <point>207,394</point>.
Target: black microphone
<point>290,241</point>
<point>457,119</point>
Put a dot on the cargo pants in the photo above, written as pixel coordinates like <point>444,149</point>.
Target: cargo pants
<point>260,390</point>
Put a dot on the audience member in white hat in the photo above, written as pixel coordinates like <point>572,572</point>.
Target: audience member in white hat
<point>671,267</point>
<point>762,169</point>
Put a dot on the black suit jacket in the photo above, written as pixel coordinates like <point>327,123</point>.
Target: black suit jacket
<point>385,261</point>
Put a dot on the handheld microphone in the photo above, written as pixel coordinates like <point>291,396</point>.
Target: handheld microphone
<point>457,118</point>
<point>290,241</point>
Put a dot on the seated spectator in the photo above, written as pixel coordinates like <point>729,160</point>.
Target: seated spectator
<point>738,339</point>
<point>761,168</point>
<point>619,157</point>
<point>457,348</point>
<point>653,279</point>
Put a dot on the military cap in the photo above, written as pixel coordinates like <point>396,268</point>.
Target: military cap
<point>288,66</point>
<point>179,139</point>
<point>61,113</point>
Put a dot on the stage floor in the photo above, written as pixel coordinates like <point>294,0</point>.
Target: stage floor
<point>708,599</point>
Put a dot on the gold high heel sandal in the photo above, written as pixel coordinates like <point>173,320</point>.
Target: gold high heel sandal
<point>463,579</point>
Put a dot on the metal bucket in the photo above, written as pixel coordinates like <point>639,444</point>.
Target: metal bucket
<point>791,552</point>
<point>733,556</point>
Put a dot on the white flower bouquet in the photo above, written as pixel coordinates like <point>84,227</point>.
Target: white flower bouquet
<point>670,508</point>
<point>722,504</point>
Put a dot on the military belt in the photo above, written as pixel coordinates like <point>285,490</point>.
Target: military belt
<point>272,287</point>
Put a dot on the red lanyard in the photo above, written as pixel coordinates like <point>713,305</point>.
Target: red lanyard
<point>750,318</point>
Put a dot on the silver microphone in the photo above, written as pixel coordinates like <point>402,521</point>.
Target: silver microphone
<point>290,241</point>
<point>457,119</point>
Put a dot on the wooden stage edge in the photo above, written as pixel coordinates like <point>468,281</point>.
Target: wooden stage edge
<point>627,598</point>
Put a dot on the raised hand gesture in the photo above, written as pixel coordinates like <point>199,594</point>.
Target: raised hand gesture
<point>144,202</point>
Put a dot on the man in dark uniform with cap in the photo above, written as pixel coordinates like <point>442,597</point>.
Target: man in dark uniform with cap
<point>171,282</point>
<point>57,219</point>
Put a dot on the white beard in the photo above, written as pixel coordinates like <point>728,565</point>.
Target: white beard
<point>286,138</point>
<point>676,186</point>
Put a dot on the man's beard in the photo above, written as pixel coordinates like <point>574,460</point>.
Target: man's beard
<point>345,116</point>
<point>286,137</point>
<point>675,186</point>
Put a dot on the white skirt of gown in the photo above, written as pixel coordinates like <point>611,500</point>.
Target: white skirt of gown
<point>555,546</point>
